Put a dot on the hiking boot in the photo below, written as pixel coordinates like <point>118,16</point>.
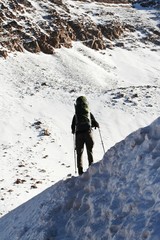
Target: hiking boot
<point>80,170</point>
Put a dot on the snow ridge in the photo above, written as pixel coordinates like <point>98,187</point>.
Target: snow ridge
<point>117,198</point>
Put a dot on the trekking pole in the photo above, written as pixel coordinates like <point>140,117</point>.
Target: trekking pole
<point>101,140</point>
<point>74,153</point>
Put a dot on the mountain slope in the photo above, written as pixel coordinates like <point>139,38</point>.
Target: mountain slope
<point>42,26</point>
<point>38,92</point>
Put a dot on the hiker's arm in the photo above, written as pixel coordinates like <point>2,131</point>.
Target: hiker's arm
<point>73,125</point>
<point>94,122</point>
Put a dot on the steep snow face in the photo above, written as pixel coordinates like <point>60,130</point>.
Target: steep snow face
<point>117,198</point>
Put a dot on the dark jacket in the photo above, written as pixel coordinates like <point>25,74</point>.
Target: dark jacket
<point>94,123</point>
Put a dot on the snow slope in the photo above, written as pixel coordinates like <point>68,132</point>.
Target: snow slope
<point>117,198</point>
<point>123,89</point>
<point>33,91</point>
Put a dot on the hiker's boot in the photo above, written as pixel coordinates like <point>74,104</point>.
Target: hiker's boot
<point>80,170</point>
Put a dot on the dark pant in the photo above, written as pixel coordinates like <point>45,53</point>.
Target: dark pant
<point>84,138</point>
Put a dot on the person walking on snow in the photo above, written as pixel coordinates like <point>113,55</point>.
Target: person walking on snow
<point>81,126</point>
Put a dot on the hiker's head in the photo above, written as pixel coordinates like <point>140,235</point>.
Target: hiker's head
<point>81,99</point>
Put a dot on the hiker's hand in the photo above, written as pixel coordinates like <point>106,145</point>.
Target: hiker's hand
<point>73,132</point>
<point>96,125</point>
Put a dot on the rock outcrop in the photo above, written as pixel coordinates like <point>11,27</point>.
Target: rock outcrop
<point>20,31</point>
<point>47,25</point>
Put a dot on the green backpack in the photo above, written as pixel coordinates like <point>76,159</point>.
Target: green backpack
<point>82,114</point>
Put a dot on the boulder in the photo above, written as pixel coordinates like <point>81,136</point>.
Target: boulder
<point>60,37</point>
<point>3,53</point>
<point>31,45</point>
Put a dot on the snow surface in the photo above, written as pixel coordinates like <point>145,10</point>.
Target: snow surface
<point>118,196</point>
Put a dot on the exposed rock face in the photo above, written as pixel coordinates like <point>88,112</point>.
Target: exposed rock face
<point>19,30</point>
<point>49,24</point>
<point>88,33</point>
<point>112,30</point>
<point>31,45</point>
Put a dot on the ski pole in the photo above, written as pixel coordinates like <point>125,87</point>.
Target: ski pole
<point>101,140</point>
<point>74,153</point>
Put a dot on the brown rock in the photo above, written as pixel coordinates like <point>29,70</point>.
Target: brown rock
<point>19,181</point>
<point>60,37</point>
<point>3,53</point>
<point>112,30</point>
<point>31,45</point>
<point>33,186</point>
<point>46,48</point>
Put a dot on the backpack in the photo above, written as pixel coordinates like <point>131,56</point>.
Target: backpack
<point>82,115</point>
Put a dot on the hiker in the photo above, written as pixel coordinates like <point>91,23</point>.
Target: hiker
<point>82,124</point>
